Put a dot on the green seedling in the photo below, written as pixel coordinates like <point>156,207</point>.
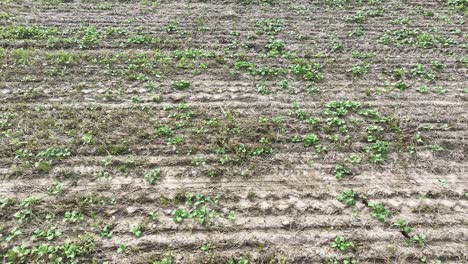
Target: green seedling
<point>457,4</point>
<point>30,201</point>
<point>23,215</point>
<point>263,89</point>
<point>87,138</point>
<point>165,260</point>
<point>172,27</point>
<point>142,39</point>
<point>401,85</point>
<point>73,217</point>
<point>122,249</point>
<point>363,55</point>
<point>379,211</point>
<point>154,216</point>
<point>90,38</point>
<point>137,230</point>
<point>107,161</point>
<point>299,112</point>
<point>103,175</point>
<point>320,149</point>
<point>436,148</point>
<point>284,84</point>
<point>14,233</point>
<point>341,171</point>
<point>164,131</point>
<point>440,90</point>
<point>180,214</point>
<point>342,261</point>
<point>342,244</point>
<point>49,234</point>
<point>360,69</point>
<point>72,251</point>
<point>404,227</point>
<point>28,32</point>
<point>264,148</point>
<point>106,232</point>
<point>275,47</point>
<point>198,208</point>
<point>181,84</point>
<point>419,240</point>
<point>269,26</point>
<point>310,140</point>
<point>335,44</point>
<point>176,140</point>
<point>348,197</point>
<point>232,216</point>
<point>423,89</point>
<point>437,65</point>
<point>239,260</point>
<point>354,159</point>
<point>153,175</point>
<point>378,151</point>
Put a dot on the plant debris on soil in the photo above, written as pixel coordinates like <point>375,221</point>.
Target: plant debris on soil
<point>235,131</point>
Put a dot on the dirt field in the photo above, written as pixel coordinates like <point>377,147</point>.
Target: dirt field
<point>235,131</point>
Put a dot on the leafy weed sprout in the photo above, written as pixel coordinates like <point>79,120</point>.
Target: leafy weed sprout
<point>342,244</point>
<point>379,211</point>
<point>153,175</point>
<point>181,84</point>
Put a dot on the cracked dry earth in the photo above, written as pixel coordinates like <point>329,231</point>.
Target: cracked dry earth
<point>249,131</point>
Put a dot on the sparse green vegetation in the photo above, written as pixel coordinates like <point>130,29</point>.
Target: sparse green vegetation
<point>348,197</point>
<point>181,84</point>
<point>359,70</point>
<point>149,131</point>
<point>342,244</point>
<point>342,171</point>
<point>404,226</point>
<point>379,211</point>
<point>269,26</point>
<point>153,175</point>
<point>198,207</point>
<point>89,38</point>
<point>416,37</point>
<point>28,32</point>
<point>461,5</point>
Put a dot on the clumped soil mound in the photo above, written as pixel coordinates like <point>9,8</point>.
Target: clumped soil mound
<point>250,131</point>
